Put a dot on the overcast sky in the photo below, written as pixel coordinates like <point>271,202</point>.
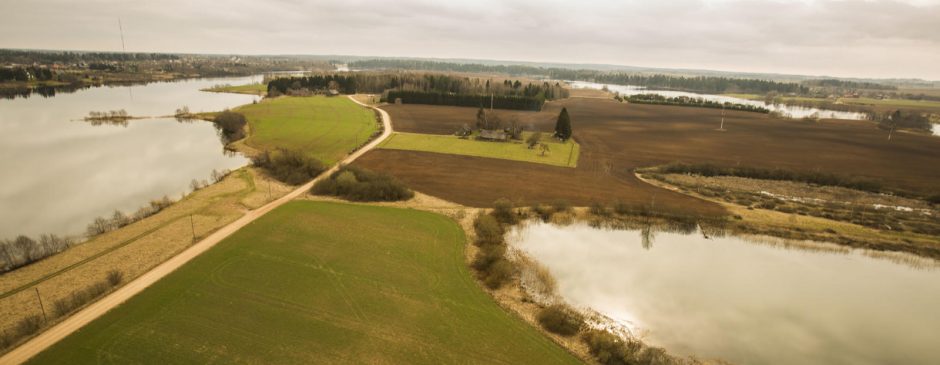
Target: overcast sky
<point>839,38</point>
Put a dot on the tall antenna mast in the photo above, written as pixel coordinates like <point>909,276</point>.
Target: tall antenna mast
<point>121,28</point>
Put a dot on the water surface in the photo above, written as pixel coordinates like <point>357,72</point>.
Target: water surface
<point>60,172</point>
<point>744,302</point>
<point>785,110</point>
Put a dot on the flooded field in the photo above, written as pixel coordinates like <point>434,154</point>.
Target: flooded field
<point>61,172</point>
<point>745,301</point>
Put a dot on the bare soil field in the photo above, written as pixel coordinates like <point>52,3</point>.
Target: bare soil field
<point>617,137</point>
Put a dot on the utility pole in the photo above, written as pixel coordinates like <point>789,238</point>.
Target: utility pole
<point>41,307</point>
<point>121,28</point>
<point>192,224</point>
<point>722,127</point>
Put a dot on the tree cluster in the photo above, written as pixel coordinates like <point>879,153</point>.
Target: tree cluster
<point>22,250</point>
<point>695,102</point>
<point>904,119</point>
<point>28,73</point>
<point>289,166</point>
<point>231,125</point>
<point>470,100</point>
<point>357,184</point>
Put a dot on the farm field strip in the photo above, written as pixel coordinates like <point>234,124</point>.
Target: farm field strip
<point>563,154</point>
<point>327,128</point>
<point>324,283</point>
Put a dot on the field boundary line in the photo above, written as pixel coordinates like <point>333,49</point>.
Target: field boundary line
<point>78,320</point>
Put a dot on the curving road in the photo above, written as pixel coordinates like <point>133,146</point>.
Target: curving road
<point>39,343</point>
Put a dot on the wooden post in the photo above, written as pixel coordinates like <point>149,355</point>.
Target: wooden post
<point>41,307</point>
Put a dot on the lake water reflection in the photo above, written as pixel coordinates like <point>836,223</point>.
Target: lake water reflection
<point>59,172</point>
<point>786,110</point>
<point>744,302</point>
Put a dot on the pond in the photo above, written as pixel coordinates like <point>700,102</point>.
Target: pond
<point>743,301</point>
<point>60,172</point>
<point>785,110</point>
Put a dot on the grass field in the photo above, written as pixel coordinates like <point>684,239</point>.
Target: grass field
<point>135,248</point>
<point>325,127</point>
<point>561,153</point>
<point>253,89</point>
<point>616,138</point>
<point>315,282</point>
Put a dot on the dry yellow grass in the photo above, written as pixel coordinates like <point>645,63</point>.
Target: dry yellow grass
<point>136,248</point>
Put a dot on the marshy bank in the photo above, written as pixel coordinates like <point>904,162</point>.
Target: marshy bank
<point>742,300</point>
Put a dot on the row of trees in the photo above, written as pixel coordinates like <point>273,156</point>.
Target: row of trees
<point>903,119</point>
<point>48,57</point>
<point>28,73</point>
<point>23,250</point>
<point>696,102</point>
<point>365,82</point>
<point>702,84</point>
<point>471,100</point>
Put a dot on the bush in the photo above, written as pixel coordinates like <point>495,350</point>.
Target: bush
<point>503,211</point>
<point>610,349</point>
<point>290,167</point>
<point>231,125</point>
<point>599,210</point>
<point>561,320</point>
<point>498,274</point>
<point>487,256</point>
<point>543,211</point>
<point>488,230</point>
<point>115,277</point>
<point>561,206</point>
<point>356,184</point>
<point>934,199</point>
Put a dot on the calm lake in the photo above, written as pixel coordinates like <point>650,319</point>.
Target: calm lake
<point>59,172</point>
<point>746,302</point>
<point>786,110</point>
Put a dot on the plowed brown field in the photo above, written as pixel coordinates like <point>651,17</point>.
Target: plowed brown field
<point>616,138</point>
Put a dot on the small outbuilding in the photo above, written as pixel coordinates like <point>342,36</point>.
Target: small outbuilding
<point>493,135</point>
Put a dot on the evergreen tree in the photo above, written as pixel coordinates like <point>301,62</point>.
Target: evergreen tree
<point>563,125</point>
<point>481,119</point>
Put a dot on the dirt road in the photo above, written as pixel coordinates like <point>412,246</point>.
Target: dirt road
<point>95,310</point>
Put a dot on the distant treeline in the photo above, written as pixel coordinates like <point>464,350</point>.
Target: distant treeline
<point>427,88</point>
<point>849,85</point>
<point>696,102</point>
<point>700,84</point>
<point>442,98</point>
<point>46,57</point>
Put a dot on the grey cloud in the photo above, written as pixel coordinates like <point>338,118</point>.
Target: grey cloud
<point>877,38</point>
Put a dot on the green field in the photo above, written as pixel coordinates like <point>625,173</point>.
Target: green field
<point>561,154</point>
<point>315,282</point>
<point>325,127</point>
<point>253,89</point>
